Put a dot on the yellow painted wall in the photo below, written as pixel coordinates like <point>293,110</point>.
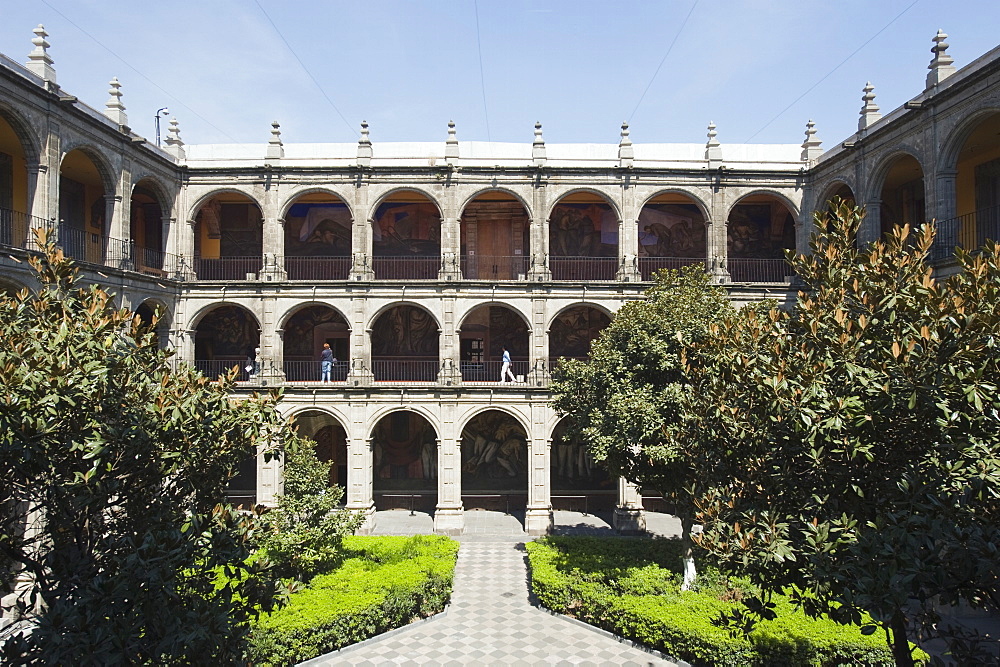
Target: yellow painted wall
<point>10,144</point>
<point>965,190</point>
<point>209,247</point>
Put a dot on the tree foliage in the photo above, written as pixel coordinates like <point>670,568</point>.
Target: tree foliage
<point>850,448</point>
<point>113,470</point>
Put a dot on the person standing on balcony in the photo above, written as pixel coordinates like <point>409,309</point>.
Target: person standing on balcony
<point>505,368</point>
<point>326,361</point>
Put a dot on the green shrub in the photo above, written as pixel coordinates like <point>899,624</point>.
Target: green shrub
<point>382,583</point>
<point>632,587</point>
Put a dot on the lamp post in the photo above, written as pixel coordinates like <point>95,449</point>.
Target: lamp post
<point>164,112</point>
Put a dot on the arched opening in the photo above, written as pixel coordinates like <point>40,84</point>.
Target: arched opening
<point>242,488</point>
<point>672,234</point>
<point>318,238</point>
<point>331,442</point>
<point>14,196</point>
<point>228,239</point>
<point>9,287</point>
<point>977,190</point>
<point>227,337</point>
<point>494,463</point>
<point>406,238</point>
<point>148,311</point>
<point>405,345</point>
<point>572,332</point>
<point>843,191</point>
<point>404,456</point>
<point>578,483</point>
<point>495,238</point>
<point>304,335</point>
<point>583,238</point>
<point>760,228</point>
<point>146,229</point>
<point>902,198</point>
<point>484,335</point>
<point>83,224</point>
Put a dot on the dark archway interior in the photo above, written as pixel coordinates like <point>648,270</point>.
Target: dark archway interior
<point>318,238</point>
<point>760,229</point>
<point>583,239</point>
<point>494,462</point>
<point>83,226</point>
<point>406,238</point>
<point>578,482</point>
<point>146,229</point>
<point>226,337</point>
<point>672,234</point>
<point>495,230</point>
<point>228,241</point>
<point>902,198</point>
<point>573,331</point>
<point>485,332</point>
<point>14,196</point>
<point>404,345</point>
<point>404,452</point>
<point>304,335</point>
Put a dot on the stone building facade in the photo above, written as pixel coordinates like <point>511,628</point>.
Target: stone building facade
<point>421,263</point>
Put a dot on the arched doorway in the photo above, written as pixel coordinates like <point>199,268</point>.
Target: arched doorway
<point>404,455</point>
<point>977,190</point>
<point>578,483</point>
<point>572,332</point>
<point>318,238</point>
<point>83,210</point>
<point>146,228</point>
<point>405,345</point>
<point>331,442</point>
<point>242,488</point>
<point>226,338</point>
<point>841,191</point>
<point>149,310</point>
<point>406,237</point>
<point>495,238</point>
<point>14,196</point>
<point>304,334</point>
<point>760,228</point>
<point>228,239</point>
<point>672,234</point>
<point>485,332</point>
<point>902,199</point>
<point>583,238</point>
<point>494,463</point>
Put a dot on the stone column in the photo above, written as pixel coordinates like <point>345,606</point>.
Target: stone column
<point>538,518</point>
<point>271,366</point>
<point>716,235</point>
<point>361,234</point>
<point>450,372</point>
<point>871,226</point>
<point>270,479</point>
<point>538,234</point>
<point>273,240</point>
<point>360,490</point>
<point>120,217</point>
<point>945,201</point>
<point>449,515</point>
<point>629,517</point>
<point>185,250</point>
<point>359,373</point>
<point>538,353</point>
<point>451,249</point>
<point>628,234</point>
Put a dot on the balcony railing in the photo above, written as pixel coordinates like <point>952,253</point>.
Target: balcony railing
<point>968,231</point>
<point>405,370</point>
<point>15,228</point>
<point>650,265</point>
<point>494,267</point>
<point>318,268</point>
<point>227,268</point>
<point>753,270</point>
<point>214,368</point>
<point>488,372</point>
<point>312,371</point>
<point>406,268</point>
<point>583,268</point>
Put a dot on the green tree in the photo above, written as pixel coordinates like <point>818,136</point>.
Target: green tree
<point>625,398</point>
<point>857,461</point>
<point>113,471</point>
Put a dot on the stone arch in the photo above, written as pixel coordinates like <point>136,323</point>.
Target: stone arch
<point>227,335</point>
<point>973,215</point>
<point>148,208</point>
<point>957,137</point>
<point>145,312</point>
<point>304,330</point>
<point>574,473</point>
<point>900,182</point>
<point>499,188</point>
<point>495,235</point>
<point>495,455</point>
<point>107,172</point>
<point>608,199</point>
<point>384,197</point>
<point>10,286</point>
<point>86,200</point>
<point>792,207</point>
<point>760,227</point>
<point>31,143</point>
<point>695,198</point>
<point>572,331</point>
<point>485,331</point>
<point>17,168</point>
<point>404,460</point>
<point>835,188</point>
<point>228,235</point>
<point>884,165</point>
<point>672,231</point>
<point>291,198</point>
<point>199,314</point>
<point>583,239</point>
<point>216,192</point>
<point>405,343</point>
<point>406,232</point>
<point>317,238</point>
<point>326,428</point>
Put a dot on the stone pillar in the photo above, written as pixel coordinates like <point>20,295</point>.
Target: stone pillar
<point>361,234</point>
<point>716,234</point>
<point>945,200</point>
<point>538,234</point>
<point>271,366</point>
<point>449,515</point>
<point>538,352</point>
<point>538,518</point>
<point>185,250</point>
<point>120,217</point>
<point>184,339</point>
<point>359,373</point>
<point>450,371</point>
<point>451,249</point>
<point>871,226</point>
<point>629,517</point>
<point>360,496</point>
<point>270,479</point>
<point>273,235</point>
<point>628,234</point>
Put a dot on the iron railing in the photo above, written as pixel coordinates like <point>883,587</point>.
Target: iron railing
<point>318,268</point>
<point>227,268</point>
<point>406,268</point>
<point>754,270</point>
<point>214,368</point>
<point>494,267</point>
<point>969,231</point>
<point>405,370</point>
<point>488,372</point>
<point>583,268</point>
<point>312,371</point>
<point>650,265</point>
<point>15,229</point>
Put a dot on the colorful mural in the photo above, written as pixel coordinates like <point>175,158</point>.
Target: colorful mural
<point>228,332</point>
<point>583,230</point>
<point>760,231</point>
<point>318,230</point>
<point>494,453</point>
<point>572,467</point>
<point>574,329</point>
<point>404,447</point>
<point>671,230</point>
<point>406,230</point>
<point>405,331</point>
<point>299,337</point>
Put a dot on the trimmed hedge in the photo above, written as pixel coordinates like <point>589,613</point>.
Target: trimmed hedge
<point>382,583</point>
<point>632,587</point>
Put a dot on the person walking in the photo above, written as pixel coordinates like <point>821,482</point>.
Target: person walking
<point>326,361</point>
<point>505,368</point>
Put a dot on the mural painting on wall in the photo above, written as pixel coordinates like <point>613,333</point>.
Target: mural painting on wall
<point>318,230</point>
<point>402,230</point>
<point>574,329</point>
<point>494,453</point>
<point>572,466</point>
<point>405,331</point>
<point>583,230</point>
<point>753,233</point>
<point>404,447</point>
<point>241,230</point>
<point>671,230</point>
<point>508,330</point>
<point>228,332</point>
<point>331,447</point>
<point>299,331</point>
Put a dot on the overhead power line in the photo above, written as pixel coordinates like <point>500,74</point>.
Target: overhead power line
<point>482,77</point>
<point>663,60</point>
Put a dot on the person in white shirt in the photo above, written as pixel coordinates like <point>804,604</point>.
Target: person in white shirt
<point>505,368</point>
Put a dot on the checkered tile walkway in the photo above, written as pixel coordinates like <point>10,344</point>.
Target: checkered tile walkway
<point>491,621</point>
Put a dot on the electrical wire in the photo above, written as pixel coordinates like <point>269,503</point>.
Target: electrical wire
<point>663,60</point>
<point>482,78</point>
<point>830,73</point>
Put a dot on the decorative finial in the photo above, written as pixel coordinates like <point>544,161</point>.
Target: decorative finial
<point>275,149</point>
<point>115,110</point>
<point>175,145</point>
<point>811,146</point>
<point>869,112</point>
<point>39,60</point>
<point>451,146</point>
<point>713,149</point>
<point>538,146</point>
<point>942,65</point>
<point>364,146</point>
<point>626,154</point>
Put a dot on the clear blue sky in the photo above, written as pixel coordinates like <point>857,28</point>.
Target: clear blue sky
<point>578,66</point>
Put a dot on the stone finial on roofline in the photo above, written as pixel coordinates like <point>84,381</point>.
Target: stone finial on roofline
<point>275,149</point>
<point>451,146</point>
<point>941,66</point>
<point>811,146</point>
<point>115,108</point>
<point>364,147</point>
<point>538,146</point>
<point>626,154</point>
<point>39,60</point>
<point>175,145</point>
<point>713,149</point>
<point>869,112</point>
